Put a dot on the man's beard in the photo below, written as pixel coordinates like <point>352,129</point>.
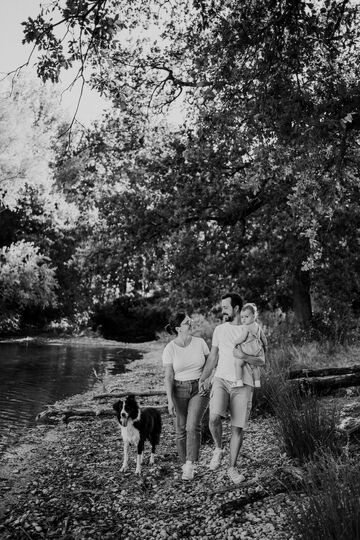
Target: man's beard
<point>228,318</point>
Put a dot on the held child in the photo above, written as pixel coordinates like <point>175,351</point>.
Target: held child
<point>252,343</point>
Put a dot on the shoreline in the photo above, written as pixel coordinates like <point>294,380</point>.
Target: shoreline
<point>76,340</point>
<point>12,436</point>
<point>21,448</point>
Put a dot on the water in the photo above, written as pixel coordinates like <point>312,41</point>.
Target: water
<point>33,375</point>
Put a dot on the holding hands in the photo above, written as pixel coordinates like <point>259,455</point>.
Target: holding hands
<point>171,408</point>
<point>204,387</point>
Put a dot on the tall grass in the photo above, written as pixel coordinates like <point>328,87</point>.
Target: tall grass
<point>304,426</point>
<point>330,509</point>
<point>273,380</point>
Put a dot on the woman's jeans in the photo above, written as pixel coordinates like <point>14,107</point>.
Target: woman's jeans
<point>190,408</point>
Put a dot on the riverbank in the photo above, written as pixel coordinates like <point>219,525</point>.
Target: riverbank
<point>63,481</point>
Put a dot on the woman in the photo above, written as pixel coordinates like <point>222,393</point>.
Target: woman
<point>184,358</point>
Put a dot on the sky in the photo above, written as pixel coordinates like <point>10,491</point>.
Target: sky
<point>13,54</point>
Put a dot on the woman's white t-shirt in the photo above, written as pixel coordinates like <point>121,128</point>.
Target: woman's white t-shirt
<point>188,361</point>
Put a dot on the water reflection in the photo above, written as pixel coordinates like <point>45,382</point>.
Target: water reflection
<point>34,375</point>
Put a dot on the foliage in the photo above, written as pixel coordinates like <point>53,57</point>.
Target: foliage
<point>9,323</point>
<point>130,319</point>
<point>26,278</point>
<point>255,189</point>
<point>332,488</point>
<point>29,120</point>
<point>33,208</point>
<point>252,192</point>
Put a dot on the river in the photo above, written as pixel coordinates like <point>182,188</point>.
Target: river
<point>34,374</point>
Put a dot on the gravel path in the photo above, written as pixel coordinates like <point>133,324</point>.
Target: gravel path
<point>64,482</point>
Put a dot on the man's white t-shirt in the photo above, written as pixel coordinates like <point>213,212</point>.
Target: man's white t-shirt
<point>224,338</point>
<point>188,362</point>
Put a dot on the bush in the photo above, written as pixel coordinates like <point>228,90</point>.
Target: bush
<point>330,510</point>
<point>9,323</point>
<point>130,319</point>
<point>304,426</point>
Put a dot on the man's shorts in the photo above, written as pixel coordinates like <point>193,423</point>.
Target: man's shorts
<point>237,400</point>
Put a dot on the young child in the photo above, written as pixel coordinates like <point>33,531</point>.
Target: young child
<point>253,343</point>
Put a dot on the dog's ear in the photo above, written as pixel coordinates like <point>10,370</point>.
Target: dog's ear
<point>131,398</point>
<point>118,406</point>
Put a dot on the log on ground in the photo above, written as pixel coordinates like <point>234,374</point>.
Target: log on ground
<point>323,372</point>
<point>326,385</point>
<point>112,395</point>
<point>54,416</point>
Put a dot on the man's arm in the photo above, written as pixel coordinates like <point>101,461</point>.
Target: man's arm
<point>252,360</point>
<point>210,364</point>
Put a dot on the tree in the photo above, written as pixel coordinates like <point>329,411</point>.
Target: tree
<point>33,208</point>
<point>268,154</point>
<point>26,278</point>
<point>29,123</point>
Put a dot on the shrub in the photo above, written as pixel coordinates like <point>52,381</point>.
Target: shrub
<point>130,319</point>
<point>9,323</point>
<point>330,510</point>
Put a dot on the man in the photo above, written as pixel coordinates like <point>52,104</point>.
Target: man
<point>224,395</point>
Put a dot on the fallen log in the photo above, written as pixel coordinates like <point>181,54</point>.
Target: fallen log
<point>323,372</point>
<point>149,393</point>
<point>326,385</point>
<point>54,416</point>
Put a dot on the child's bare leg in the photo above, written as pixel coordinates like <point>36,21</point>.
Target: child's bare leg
<point>239,372</point>
<point>256,374</point>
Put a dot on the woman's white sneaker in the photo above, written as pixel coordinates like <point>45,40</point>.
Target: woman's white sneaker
<point>188,471</point>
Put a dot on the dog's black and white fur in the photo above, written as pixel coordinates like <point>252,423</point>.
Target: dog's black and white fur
<point>137,425</point>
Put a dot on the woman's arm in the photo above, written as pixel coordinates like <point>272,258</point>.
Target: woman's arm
<point>205,384</point>
<point>169,387</point>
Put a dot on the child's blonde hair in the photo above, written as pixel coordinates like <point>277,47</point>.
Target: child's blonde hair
<point>252,308</point>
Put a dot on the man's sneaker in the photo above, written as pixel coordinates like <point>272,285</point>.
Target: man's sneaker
<point>188,471</point>
<point>235,476</point>
<point>216,459</point>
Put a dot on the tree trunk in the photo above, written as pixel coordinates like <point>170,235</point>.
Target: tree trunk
<point>301,297</point>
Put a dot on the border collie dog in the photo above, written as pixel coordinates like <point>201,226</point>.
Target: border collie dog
<point>137,425</point>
